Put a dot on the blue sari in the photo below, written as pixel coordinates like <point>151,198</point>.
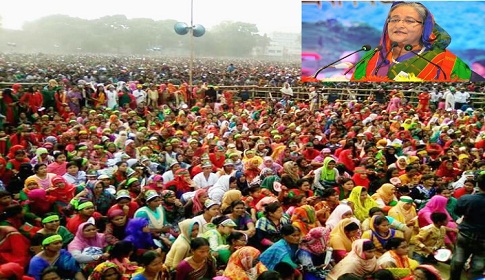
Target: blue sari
<point>280,251</point>
<point>66,265</point>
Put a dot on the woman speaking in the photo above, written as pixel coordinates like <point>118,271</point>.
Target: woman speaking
<point>413,47</point>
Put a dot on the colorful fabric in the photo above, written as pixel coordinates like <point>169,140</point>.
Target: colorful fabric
<point>181,247</point>
<point>241,264</point>
<point>338,238</point>
<point>102,268</point>
<point>229,197</point>
<point>51,239</point>
<point>376,238</point>
<point>276,253</point>
<point>187,272</point>
<point>402,215</point>
<point>361,210</point>
<point>79,243</point>
<point>355,263</point>
<point>134,233</point>
<point>316,240</point>
<point>270,230</point>
<point>386,193</point>
<point>336,215</point>
<point>66,266</point>
<point>304,218</point>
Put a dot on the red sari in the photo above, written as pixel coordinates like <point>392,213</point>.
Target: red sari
<point>14,247</point>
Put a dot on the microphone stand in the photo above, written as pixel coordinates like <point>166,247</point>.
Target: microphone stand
<point>410,49</point>
<point>364,48</point>
<point>393,45</point>
<point>378,48</point>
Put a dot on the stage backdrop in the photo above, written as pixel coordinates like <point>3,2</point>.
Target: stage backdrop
<point>332,29</point>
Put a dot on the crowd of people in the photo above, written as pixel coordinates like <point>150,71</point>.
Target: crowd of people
<point>100,181</point>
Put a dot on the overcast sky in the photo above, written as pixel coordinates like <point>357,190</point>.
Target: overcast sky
<point>269,15</point>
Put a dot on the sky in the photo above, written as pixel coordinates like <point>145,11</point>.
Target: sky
<point>268,15</point>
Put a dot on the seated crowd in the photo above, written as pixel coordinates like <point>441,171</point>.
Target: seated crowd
<point>257,190</point>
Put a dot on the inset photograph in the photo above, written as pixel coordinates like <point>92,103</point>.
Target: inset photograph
<point>378,41</point>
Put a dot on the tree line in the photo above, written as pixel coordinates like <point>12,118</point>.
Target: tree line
<point>120,35</point>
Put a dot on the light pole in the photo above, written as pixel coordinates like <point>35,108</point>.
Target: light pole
<point>197,30</point>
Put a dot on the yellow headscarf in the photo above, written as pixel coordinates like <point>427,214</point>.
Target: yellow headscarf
<point>229,197</point>
<point>402,215</point>
<point>361,211</point>
<point>338,238</point>
<point>385,192</point>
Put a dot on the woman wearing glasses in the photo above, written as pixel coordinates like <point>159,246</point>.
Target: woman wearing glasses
<point>413,44</point>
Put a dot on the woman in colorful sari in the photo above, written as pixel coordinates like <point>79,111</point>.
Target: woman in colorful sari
<point>290,176</point>
<point>362,202</point>
<point>400,164</point>
<point>268,227</point>
<point>242,219</point>
<point>35,200</point>
<point>173,209</point>
<point>120,254</point>
<point>284,250</point>
<point>62,191</point>
<point>152,263</point>
<point>304,219</point>
<point>396,258</point>
<point>405,212</point>
<point>385,197</point>
<point>312,253</point>
<point>200,266</point>
<point>107,270</point>
<point>138,233</point>
<point>53,255</point>
<point>360,177</point>
<point>345,186</point>
<point>9,107</point>
<point>116,227</point>
<point>325,176</point>
<point>189,229</point>
<point>42,176</point>
<point>181,184</point>
<point>100,196</point>
<point>14,247</point>
<point>342,211</point>
<point>379,233</point>
<point>195,206</point>
<point>410,28</point>
<point>155,214</point>
<point>244,265</point>
<point>341,238</point>
<point>87,246</point>
<point>59,166</point>
<point>217,238</point>
<point>223,184</point>
<point>361,261</point>
<point>51,225</point>
<point>228,198</point>
<point>438,204</point>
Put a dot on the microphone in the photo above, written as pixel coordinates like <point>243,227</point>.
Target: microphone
<point>376,49</point>
<point>393,45</point>
<point>364,48</point>
<point>410,49</point>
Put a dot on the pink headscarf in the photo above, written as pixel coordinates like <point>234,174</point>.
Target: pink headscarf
<point>197,204</point>
<point>80,242</point>
<point>316,240</point>
<point>436,204</point>
<point>265,201</point>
